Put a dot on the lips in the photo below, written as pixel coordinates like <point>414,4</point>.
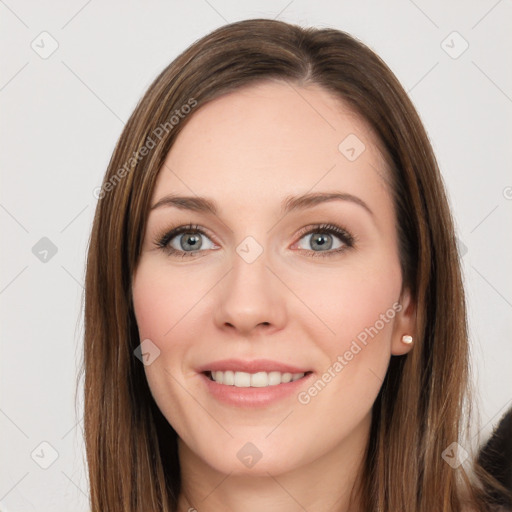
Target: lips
<point>253,366</point>
<point>255,383</point>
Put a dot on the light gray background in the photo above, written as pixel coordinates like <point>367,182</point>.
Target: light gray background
<point>62,115</point>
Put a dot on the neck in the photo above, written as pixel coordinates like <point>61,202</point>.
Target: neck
<point>327,483</point>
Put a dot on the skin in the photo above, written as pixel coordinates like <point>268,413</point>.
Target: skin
<point>247,151</point>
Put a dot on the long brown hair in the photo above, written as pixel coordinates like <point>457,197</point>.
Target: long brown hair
<point>420,410</point>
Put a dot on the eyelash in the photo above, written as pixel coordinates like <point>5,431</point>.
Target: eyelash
<point>162,241</point>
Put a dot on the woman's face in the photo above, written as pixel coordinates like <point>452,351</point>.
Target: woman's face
<point>263,291</point>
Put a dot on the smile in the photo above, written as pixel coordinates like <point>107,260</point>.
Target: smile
<point>253,380</point>
<point>253,383</point>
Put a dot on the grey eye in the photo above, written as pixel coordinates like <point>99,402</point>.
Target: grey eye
<point>189,242</point>
<point>319,241</point>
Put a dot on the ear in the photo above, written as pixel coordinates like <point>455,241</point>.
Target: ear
<point>405,323</point>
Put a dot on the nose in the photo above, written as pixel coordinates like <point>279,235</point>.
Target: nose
<point>251,298</point>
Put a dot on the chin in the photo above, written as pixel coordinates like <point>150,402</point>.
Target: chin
<point>255,458</point>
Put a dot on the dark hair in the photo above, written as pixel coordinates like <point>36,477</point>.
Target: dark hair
<point>495,458</point>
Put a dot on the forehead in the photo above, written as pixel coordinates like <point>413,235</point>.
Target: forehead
<point>264,141</point>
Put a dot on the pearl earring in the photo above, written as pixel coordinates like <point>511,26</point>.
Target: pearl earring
<point>406,339</point>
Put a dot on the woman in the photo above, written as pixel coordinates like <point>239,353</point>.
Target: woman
<point>274,312</point>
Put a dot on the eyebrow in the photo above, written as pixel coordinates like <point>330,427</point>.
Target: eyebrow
<point>290,203</point>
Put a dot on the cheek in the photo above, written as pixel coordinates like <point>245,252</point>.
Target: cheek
<point>162,299</point>
<point>160,308</point>
<point>350,301</point>
<point>357,305</point>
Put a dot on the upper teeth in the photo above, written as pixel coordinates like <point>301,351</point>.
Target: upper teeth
<point>255,380</point>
